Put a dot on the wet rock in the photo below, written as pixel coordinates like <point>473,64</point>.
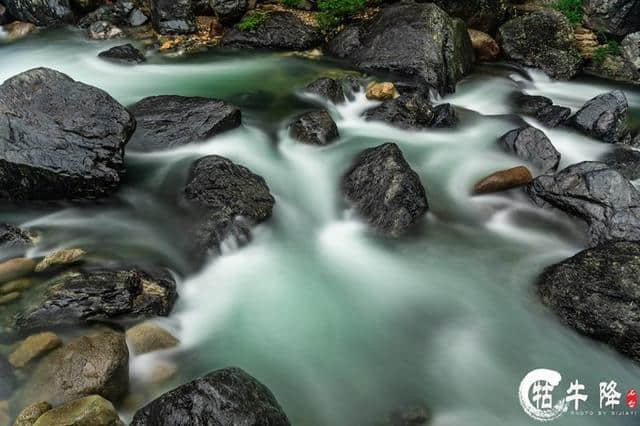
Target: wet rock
<point>278,31</point>
<point>613,67</point>
<point>596,194</point>
<point>137,18</point>
<point>9,297</point>
<point>380,91</point>
<point>503,180</point>
<point>530,105</point>
<point>405,112</point>
<point>31,413</point>
<point>16,285</point>
<point>227,396</point>
<point>327,88</point>
<point>5,17</point>
<point>8,382</point>
<point>103,30</point>
<point>625,161</point>
<point>483,15</point>
<point>162,371</point>
<point>91,410</point>
<point>60,257</point>
<point>596,293</point>
<point>544,40</point>
<point>95,364</point>
<point>17,30</point>
<point>41,13</point>
<point>166,122</point>
<point>631,50</point>
<point>149,337</point>
<point>126,54</point>
<point>65,140</point>
<point>430,48</point>
<point>14,239</point>
<point>444,115</point>
<point>84,295</point>
<point>532,145</point>
<point>229,11</point>
<point>116,13</point>
<point>543,109</point>
<point>225,199</point>
<point>172,16</point>
<point>385,190</point>
<point>33,347</point>
<point>16,268</point>
<point>604,117</point>
<point>616,17</point>
<point>409,415</point>
<point>484,45</point>
<point>315,128</point>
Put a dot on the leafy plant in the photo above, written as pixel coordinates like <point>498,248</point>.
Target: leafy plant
<point>251,20</point>
<point>334,12</point>
<point>572,9</point>
<point>611,48</point>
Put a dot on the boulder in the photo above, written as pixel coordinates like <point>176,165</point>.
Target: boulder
<point>315,128</point>
<point>33,347</point>
<point>616,17</point>
<point>625,161</point>
<point>31,413</point>
<point>593,192</point>
<point>430,48</point>
<point>224,199</point>
<point>104,30</point>
<point>125,54</point>
<point>483,15</point>
<point>383,189</point>
<point>327,88</point>
<point>226,397</point>
<point>631,50</point>
<point>61,139</point>
<point>173,16</point>
<point>84,295</point>
<point>166,122</point>
<point>412,112</point>
<point>17,30</point>
<point>532,145</point>
<point>380,91</point>
<point>503,180</point>
<point>42,13</point>
<point>543,109</point>
<point>149,337</point>
<point>543,39</point>
<point>276,31</point>
<point>92,410</point>
<point>8,382</point>
<point>116,13</point>
<point>484,45</point>
<point>444,115</point>
<point>95,364</point>
<point>596,293</point>
<point>13,239</point>
<point>530,105</point>
<point>137,18</point>
<point>229,11</point>
<point>60,258</point>
<point>604,117</point>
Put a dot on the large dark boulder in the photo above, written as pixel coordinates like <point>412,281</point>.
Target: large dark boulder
<point>543,109</point>
<point>604,117</point>
<point>116,13</point>
<point>428,47</point>
<point>385,190</point>
<point>125,54</point>
<point>532,145</point>
<point>327,88</point>
<point>595,193</point>
<point>314,127</point>
<point>173,16</point>
<point>59,138</point>
<point>225,199</point>
<point>412,112</point>
<point>544,40</point>
<point>483,15</point>
<point>171,121</point>
<point>276,31</point>
<point>41,12</point>
<point>81,296</point>
<point>229,11</point>
<point>228,396</point>
<point>616,17</point>
<point>597,293</point>
<point>625,161</point>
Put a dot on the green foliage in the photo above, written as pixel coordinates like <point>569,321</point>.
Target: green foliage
<point>572,9</point>
<point>334,12</point>
<point>251,20</point>
<point>600,54</point>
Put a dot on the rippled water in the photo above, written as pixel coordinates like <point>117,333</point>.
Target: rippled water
<point>340,324</point>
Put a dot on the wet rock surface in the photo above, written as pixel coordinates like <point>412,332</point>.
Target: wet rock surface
<point>41,13</point>
<point>315,128</point>
<point>126,54</point>
<point>91,410</point>
<point>604,117</point>
<point>412,112</point>
<point>531,144</point>
<point>503,180</point>
<point>616,17</point>
<point>327,88</point>
<point>172,16</point>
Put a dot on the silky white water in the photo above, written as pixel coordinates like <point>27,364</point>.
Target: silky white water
<point>342,325</point>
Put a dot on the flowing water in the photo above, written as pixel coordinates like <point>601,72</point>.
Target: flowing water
<point>342,325</point>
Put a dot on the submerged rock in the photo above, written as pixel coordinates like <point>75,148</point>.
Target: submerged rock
<point>595,193</point>
<point>60,258</point>
<point>604,117</point>
<point>616,17</point>
<point>327,88</point>
<point>385,190</point>
<point>17,30</point>
<point>149,337</point>
<point>16,268</point>
<point>225,397</point>
<point>31,413</point>
<point>531,144</point>
<point>166,122</point>
<point>544,40</point>
<point>91,410</point>
<point>95,364</point>
<point>276,31</point>
<point>315,128</point>
<point>596,293</point>
<point>33,347</point>
<point>503,180</point>
<point>126,54</point>
<point>430,48</point>
<point>61,139</point>
<point>41,13</point>
<point>172,16</point>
